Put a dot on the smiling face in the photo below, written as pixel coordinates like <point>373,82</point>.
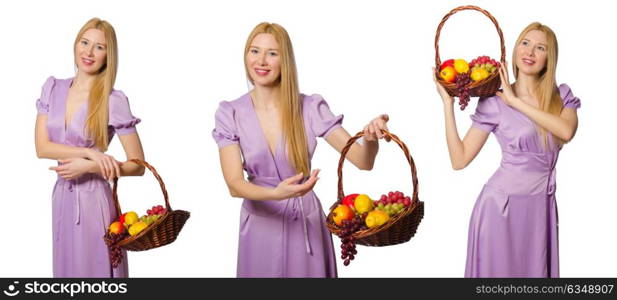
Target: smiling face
<point>263,60</point>
<point>91,52</point>
<point>532,53</point>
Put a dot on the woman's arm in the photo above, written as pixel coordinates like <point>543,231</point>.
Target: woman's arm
<point>74,167</point>
<point>133,149</point>
<point>361,156</point>
<point>98,162</point>
<point>231,165</point>
<point>462,152</point>
<point>563,126</point>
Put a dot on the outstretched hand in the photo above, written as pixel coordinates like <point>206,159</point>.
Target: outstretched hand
<point>373,130</point>
<point>290,187</point>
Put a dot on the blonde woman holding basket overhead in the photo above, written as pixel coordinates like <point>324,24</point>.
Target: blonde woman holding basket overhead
<point>513,230</point>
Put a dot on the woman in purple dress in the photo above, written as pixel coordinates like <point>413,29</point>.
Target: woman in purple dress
<point>513,228</point>
<point>271,133</point>
<point>77,118</point>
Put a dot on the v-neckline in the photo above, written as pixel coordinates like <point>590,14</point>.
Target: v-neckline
<point>78,109</point>
<point>274,151</point>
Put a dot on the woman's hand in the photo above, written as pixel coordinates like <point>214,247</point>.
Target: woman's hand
<point>508,94</point>
<point>72,168</point>
<point>290,187</point>
<point>373,130</point>
<point>110,167</point>
<point>445,97</point>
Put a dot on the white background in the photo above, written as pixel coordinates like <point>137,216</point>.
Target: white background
<point>179,59</point>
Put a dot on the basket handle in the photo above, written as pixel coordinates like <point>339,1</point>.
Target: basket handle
<point>394,138</point>
<point>468,7</point>
<point>154,172</point>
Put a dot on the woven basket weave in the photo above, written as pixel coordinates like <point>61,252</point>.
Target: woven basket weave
<point>398,229</point>
<point>483,88</point>
<point>163,231</point>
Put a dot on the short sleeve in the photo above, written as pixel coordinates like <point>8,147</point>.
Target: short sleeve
<point>487,114</point>
<point>568,99</point>
<point>42,104</point>
<point>120,116</point>
<point>225,132</point>
<point>321,119</point>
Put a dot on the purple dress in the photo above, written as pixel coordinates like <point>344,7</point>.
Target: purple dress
<point>82,208</point>
<point>513,229</point>
<point>285,238</point>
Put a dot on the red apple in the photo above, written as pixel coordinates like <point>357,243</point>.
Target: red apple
<point>122,217</point>
<point>349,200</point>
<point>449,62</point>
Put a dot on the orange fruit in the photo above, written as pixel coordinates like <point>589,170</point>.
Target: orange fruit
<point>448,74</point>
<point>340,213</point>
<point>116,227</point>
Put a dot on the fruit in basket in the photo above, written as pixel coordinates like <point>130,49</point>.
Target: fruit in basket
<point>393,203</point>
<point>376,218</point>
<point>116,228</point>
<point>449,62</point>
<point>342,212</point>
<point>130,218</point>
<point>349,199</point>
<point>116,254</point>
<point>137,228</point>
<point>478,74</point>
<point>157,210</point>
<point>153,218</point>
<point>407,201</point>
<point>448,74</point>
<point>370,214</point>
<point>462,86</point>
<point>149,219</point>
<point>485,63</point>
<point>463,73</point>
<point>348,242</point>
<point>484,60</point>
<point>363,204</point>
<point>461,66</point>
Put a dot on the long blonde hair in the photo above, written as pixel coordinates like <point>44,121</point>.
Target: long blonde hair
<point>290,103</point>
<point>98,100</point>
<point>546,89</point>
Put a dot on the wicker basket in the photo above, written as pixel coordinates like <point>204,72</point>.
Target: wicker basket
<point>483,88</point>
<point>162,231</point>
<point>396,230</point>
